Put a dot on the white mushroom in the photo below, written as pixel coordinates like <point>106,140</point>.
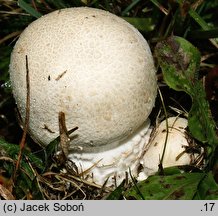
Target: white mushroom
<point>176,145</point>
<point>97,69</point>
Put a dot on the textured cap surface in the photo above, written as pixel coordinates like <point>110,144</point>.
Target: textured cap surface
<point>93,66</point>
<point>115,164</point>
<point>177,142</point>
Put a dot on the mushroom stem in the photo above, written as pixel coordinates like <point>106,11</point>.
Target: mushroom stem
<point>174,148</point>
<point>112,165</point>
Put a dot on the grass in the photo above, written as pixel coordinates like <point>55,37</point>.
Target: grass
<point>40,176</point>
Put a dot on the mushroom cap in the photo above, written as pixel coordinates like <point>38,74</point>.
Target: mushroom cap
<point>177,142</point>
<point>93,66</point>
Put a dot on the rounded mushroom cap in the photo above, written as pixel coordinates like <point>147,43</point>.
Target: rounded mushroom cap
<point>93,66</point>
<point>177,142</point>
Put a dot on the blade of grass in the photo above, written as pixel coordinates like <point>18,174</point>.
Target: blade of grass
<point>26,123</point>
<point>161,7</point>
<point>29,9</point>
<point>136,186</point>
<point>130,7</point>
<point>142,24</point>
<point>203,24</point>
<point>213,33</point>
<point>200,21</point>
<point>166,138</point>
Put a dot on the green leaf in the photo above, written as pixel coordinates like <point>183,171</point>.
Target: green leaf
<point>29,9</point>
<point>12,150</point>
<point>180,61</point>
<point>200,121</point>
<point>117,194</point>
<point>173,187</point>
<point>171,170</point>
<point>142,24</point>
<point>25,180</point>
<point>179,67</point>
<point>207,189</point>
<point>50,150</point>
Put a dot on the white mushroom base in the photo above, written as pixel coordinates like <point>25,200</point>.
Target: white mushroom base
<point>175,152</point>
<point>115,164</point>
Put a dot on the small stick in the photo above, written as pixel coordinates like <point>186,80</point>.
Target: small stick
<point>26,123</point>
<point>64,137</point>
<point>64,134</point>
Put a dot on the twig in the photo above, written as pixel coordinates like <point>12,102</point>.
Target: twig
<point>26,123</point>
<point>64,137</point>
<point>64,134</point>
<point>166,138</point>
<point>5,193</point>
<point>9,36</point>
